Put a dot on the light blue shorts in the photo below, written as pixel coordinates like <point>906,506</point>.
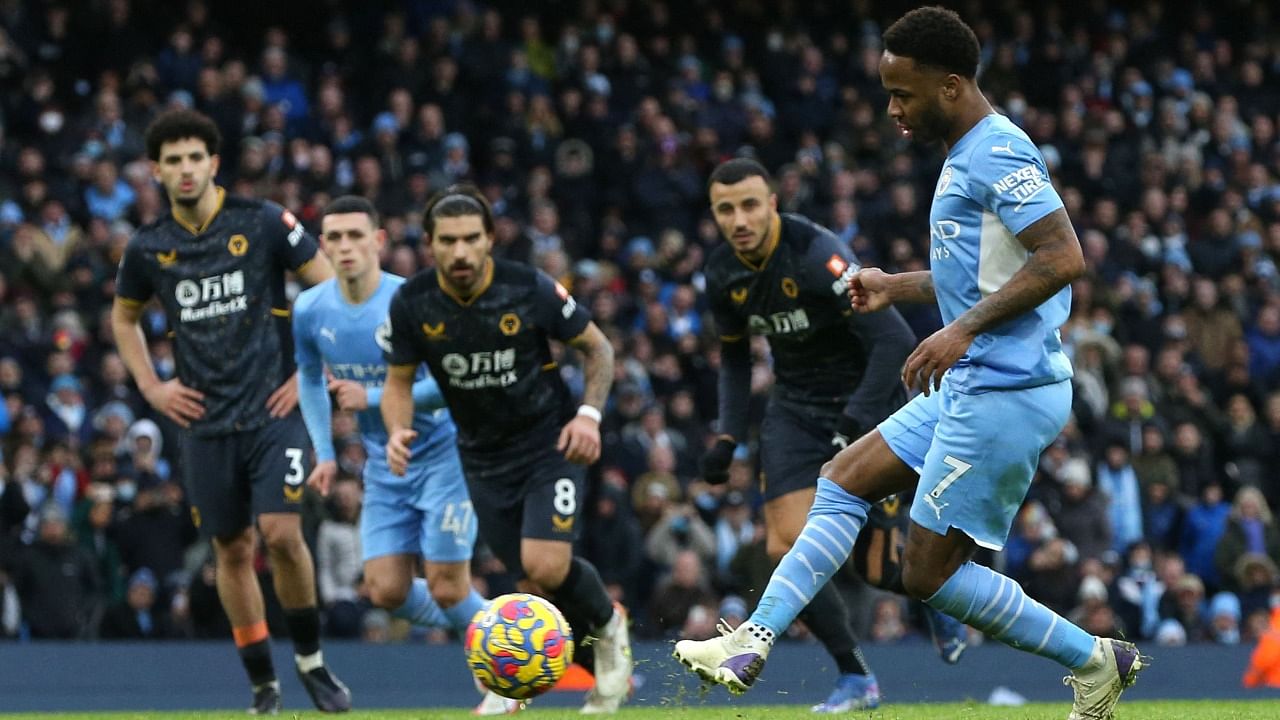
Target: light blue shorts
<point>427,512</point>
<point>976,454</point>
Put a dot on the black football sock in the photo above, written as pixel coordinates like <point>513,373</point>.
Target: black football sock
<point>583,599</point>
<point>256,658</point>
<point>304,629</point>
<point>828,619</point>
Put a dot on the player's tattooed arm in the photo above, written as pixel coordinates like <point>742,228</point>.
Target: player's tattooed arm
<point>597,355</point>
<point>915,287</point>
<point>1055,260</point>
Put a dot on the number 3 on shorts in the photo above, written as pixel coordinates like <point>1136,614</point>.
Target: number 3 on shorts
<point>294,476</point>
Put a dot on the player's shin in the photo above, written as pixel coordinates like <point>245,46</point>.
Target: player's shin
<point>822,547</point>
<point>998,606</point>
<point>420,608</point>
<point>460,614</point>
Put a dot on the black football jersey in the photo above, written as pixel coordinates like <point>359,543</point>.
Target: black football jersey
<point>490,353</point>
<point>797,299</point>
<point>222,287</point>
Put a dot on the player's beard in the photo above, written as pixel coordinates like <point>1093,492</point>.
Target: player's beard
<point>932,126</point>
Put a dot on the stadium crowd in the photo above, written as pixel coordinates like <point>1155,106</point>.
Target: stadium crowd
<point>592,133</point>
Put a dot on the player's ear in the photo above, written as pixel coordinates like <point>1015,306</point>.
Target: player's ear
<point>951,87</point>
<point>773,201</point>
<point>381,236</point>
<point>215,161</point>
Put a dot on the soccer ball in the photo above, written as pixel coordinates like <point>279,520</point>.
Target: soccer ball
<point>520,646</point>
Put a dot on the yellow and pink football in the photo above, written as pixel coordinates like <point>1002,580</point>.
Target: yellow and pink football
<point>520,646</point>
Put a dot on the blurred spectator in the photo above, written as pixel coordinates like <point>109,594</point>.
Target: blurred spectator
<point>135,618</point>
<point>1224,619</point>
<point>1250,530</point>
<point>57,582</point>
<point>680,529</point>
<point>1118,483</point>
<point>683,604</point>
<point>1081,514</point>
<point>613,542</point>
<point>338,560</point>
<point>94,519</point>
<point>1205,523</point>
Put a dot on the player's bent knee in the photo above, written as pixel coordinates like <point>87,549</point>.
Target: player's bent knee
<point>547,572</point>
<point>387,594</point>
<point>776,547</point>
<point>234,549</point>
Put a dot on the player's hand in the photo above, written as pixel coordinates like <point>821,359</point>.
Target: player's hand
<point>715,462</point>
<point>398,450</point>
<point>176,401</point>
<point>322,477</point>
<point>284,399</point>
<point>869,290</point>
<point>350,394</point>
<point>933,357</point>
<point>580,441</point>
<point>847,430</point>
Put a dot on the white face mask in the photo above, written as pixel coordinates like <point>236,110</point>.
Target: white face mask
<point>51,121</point>
<point>126,490</point>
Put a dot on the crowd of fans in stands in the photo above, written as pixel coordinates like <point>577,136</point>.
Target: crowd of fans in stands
<point>592,134</point>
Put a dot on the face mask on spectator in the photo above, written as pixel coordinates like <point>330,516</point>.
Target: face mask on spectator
<point>51,121</point>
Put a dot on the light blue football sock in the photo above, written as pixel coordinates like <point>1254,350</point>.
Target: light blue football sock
<point>421,609</point>
<point>825,543</point>
<point>984,599</point>
<point>460,614</point>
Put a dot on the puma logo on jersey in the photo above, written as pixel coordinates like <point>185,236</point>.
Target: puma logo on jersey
<point>167,258</point>
<point>1007,147</point>
<point>329,335</point>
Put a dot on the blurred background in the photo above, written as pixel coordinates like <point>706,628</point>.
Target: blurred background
<point>591,125</point>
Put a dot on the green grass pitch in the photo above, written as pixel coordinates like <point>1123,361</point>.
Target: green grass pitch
<point>1161,710</point>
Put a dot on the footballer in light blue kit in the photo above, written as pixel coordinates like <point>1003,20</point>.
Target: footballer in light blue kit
<point>338,327</point>
<point>996,386</point>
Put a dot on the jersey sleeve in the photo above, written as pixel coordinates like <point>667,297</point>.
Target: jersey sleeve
<point>1007,176</point>
<point>313,397</point>
<point>291,244</point>
<point>400,346</point>
<point>557,311</point>
<point>829,264</point>
<point>133,283</point>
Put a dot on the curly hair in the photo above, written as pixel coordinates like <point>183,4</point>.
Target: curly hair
<point>937,37</point>
<point>175,125</point>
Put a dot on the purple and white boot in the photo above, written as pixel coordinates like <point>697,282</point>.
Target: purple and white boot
<point>734,660</point>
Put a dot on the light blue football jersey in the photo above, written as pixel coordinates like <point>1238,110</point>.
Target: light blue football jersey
<point>344,337</point>
<point>993,185</point>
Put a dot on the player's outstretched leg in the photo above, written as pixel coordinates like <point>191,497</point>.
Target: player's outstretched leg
<point>736,659</point>
<point>998,606</point>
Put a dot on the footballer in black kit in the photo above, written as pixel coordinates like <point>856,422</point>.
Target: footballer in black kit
<point>837,375</point>
<point>217,266</point>
<point>483,327</point>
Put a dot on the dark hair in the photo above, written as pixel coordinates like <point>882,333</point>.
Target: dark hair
<point>351,204</point>
<point>937,37</point>
<point>175,125</point>
<point>457,201</point>
<point>732,172</point>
